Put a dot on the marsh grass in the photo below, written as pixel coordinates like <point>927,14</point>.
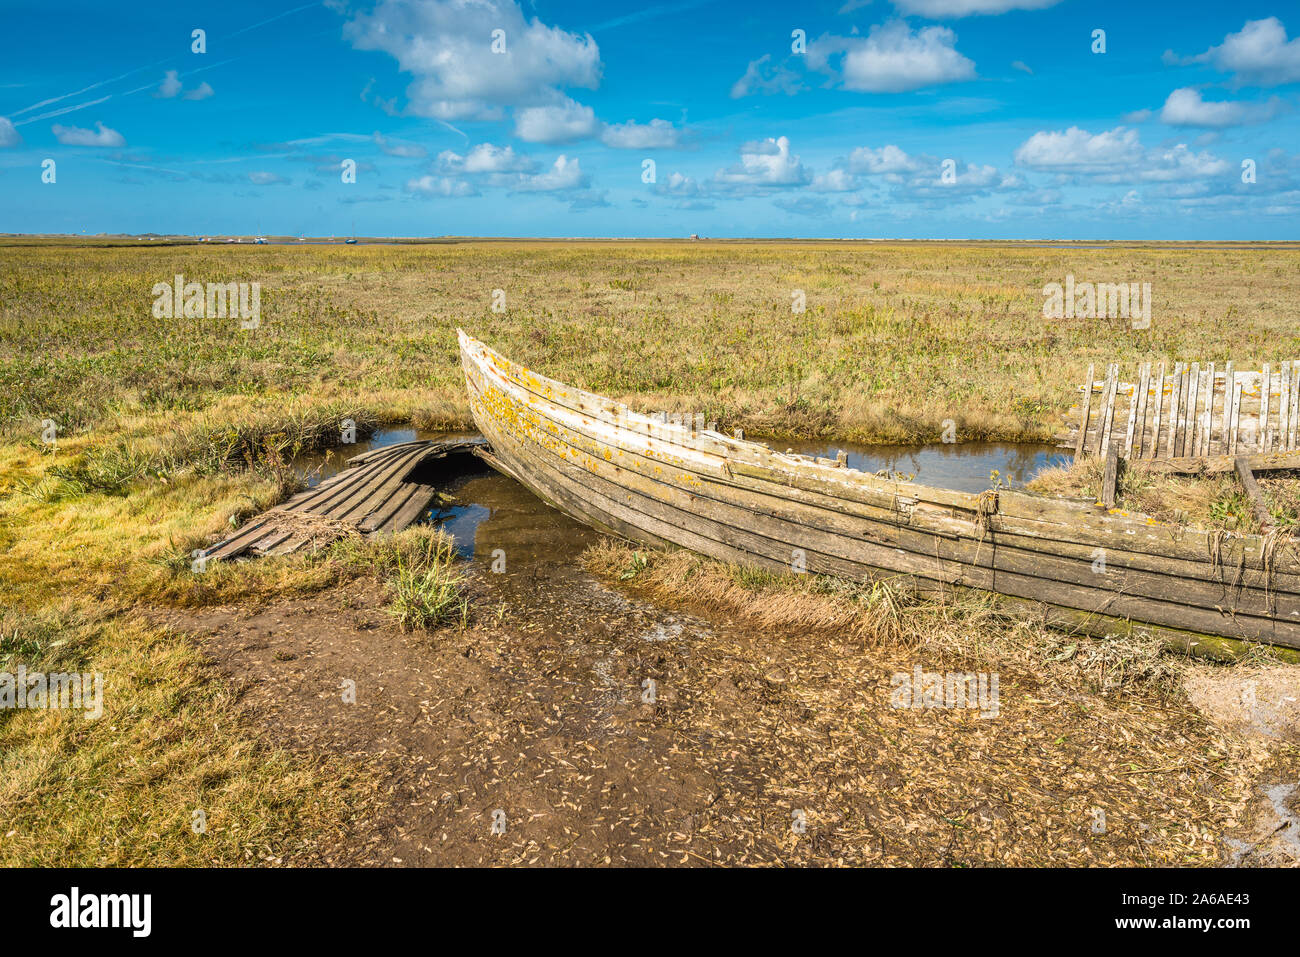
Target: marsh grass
<point>964,629</point>
<point>264,442</point>
<point>897,338</point>
<point>1214,501</point>
<point>426,590</point>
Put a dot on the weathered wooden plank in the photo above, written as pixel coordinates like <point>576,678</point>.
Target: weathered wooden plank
<point>1207,417</point>
<point>1144,389</point>
<point>1235,392</point>
<point>1193,416</point>
<point>1293,420</point>
<point>1251,487</point>
<point>417,503</point>
<point>1132,415</point>
<point>383,474</point>
<point>372,496</point>
<point>1110,478</point>
<point>1284,408</point>
<point>1107,410</point>
<point>1081,443</point>
<point>1175,410</point>
<point>1218,464</point>
<point>1155,422</point>
<point>1265,394</point>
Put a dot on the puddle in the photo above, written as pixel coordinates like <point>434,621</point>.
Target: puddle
<point>490,516</point>
<point>965,468</point>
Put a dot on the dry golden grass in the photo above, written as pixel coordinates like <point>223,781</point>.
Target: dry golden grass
<point>896,338</point>
<point>1206,501</point>
<point>965,630</point>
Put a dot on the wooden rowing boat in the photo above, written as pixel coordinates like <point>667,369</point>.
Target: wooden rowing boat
<point>1070,563</point>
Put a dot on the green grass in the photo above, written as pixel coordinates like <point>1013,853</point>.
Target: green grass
<point>426,590</point>
<point>896,338</point>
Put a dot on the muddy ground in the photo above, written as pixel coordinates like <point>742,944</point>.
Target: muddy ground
<point>751,747</point>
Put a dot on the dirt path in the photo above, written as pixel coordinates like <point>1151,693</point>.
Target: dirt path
<point>757,748</point>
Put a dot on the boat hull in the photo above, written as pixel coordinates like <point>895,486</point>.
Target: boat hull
<point>1069,563</point>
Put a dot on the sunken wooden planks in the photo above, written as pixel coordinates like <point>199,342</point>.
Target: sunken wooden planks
<point>1194,412</point>
<point>740,501</point>
<point>373,496</point>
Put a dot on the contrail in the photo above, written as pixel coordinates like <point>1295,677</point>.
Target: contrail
<point>95,86</point>
<point>66,109</point>
<point>647,14</point>
<point>138,89</point>
<point>271,19</point>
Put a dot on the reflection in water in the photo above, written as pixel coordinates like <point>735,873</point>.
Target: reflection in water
<point>492,512</point>
<point>485,511</point>
<point>965,468</point>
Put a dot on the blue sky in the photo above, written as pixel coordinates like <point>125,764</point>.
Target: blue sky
<point>910,118</point>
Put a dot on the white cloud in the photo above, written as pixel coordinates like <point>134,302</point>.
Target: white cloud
<point>837,180</point>
<point>1076,150</point>
<point>657,134</point>
<point>8,135</point>
<point>397,148</point>
<point>886,159</point>
<point>170,86</point>
<point>893,58</point>
<point>765,164</point>
<point>101,135</point>
<point>1259,54</point>
<point>564,174</point>
<point>1115,156</point>
<point>951,9</point>
<point>485,159</point>
<point>261,178</point>
<point>1178,163</point>
<point>1185,107</point>
<point>440,186</point>
<point>446,45</point>
<point>562,123</point>
<point>763,77</point>
<point>680,185</point>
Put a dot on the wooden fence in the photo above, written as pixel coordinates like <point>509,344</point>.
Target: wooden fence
<point>1193,411</point>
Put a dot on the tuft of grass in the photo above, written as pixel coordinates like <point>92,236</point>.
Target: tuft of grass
<point>427,591</point>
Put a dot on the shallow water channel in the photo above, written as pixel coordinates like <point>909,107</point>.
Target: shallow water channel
<point>489,511</point>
